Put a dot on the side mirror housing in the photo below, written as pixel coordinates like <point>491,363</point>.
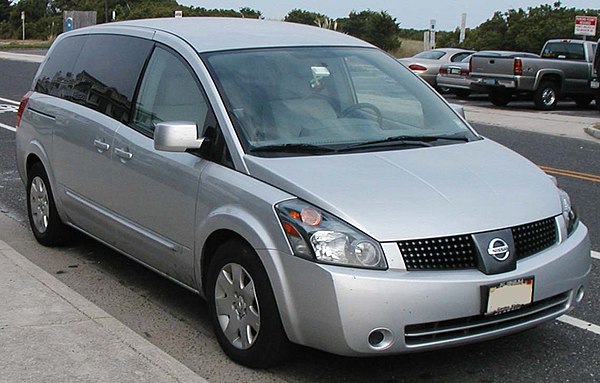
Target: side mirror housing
<point>176,136</point>
<point>459,109</point>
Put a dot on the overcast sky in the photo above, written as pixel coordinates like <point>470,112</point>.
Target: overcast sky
<point>409,13</point>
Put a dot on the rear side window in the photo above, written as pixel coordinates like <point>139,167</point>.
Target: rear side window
<point>56,78</point>
<point>107,72</point>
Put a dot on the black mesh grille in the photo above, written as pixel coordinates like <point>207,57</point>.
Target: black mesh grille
<point>456,252</point>
<point>459,252</point>
<point>534,237</point>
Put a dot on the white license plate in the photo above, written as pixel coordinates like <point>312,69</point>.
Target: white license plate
<point>595,84</point>
<point>488,81</point>
<point>509,296</point>
<point>454,71</point>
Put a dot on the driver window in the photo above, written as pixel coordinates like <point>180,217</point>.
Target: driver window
<point>169,92</point>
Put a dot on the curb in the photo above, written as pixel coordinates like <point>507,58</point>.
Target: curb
<point>593,131</point>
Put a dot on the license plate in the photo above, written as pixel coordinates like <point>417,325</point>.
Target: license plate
<point>454,70</point>
<point>508,296</point>
<point>488,81</point>
<point>595,84</point>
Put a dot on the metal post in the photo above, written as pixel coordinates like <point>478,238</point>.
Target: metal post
<point>23,23</point>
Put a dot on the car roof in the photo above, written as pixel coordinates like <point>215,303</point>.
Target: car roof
<point>207,34</point>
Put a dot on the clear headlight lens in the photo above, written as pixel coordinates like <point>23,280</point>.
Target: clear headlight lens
<point>319,236</point>
<point>568,211</point>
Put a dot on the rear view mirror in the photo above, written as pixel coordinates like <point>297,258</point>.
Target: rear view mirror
<point>176,136</point>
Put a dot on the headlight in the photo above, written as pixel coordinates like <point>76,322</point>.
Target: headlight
<point>568,212</point>
<point>319,236</point>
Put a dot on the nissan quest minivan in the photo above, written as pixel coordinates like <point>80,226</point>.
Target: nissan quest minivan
<point>304,182</point>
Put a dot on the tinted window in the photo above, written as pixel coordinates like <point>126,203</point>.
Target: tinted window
<point>430,55</point>
<point>107,72</point>
<point>460,56</point>
<point>564,50</point>
<point>56,78</point>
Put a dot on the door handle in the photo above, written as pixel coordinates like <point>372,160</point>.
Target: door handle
<point>101,145</point>
<point>120,152</point>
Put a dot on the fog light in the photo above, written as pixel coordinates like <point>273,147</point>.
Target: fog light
<point>380,339</point>
<point>580,294</point>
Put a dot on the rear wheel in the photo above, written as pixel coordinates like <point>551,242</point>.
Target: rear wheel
<point>545,96</point>
<point>243,308</point>
<point>499,98</point>
<point>597,101</point>
<point>45,223</point>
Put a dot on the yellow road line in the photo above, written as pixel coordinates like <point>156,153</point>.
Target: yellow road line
<point>571,173</point>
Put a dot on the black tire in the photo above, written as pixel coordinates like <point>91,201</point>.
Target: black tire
<point>462,93</point>
<point>583,101</point>
<point>270,345</point>
<point>546,95</point>
<point>499,98</point>
<point>597,101</point>
<point>46,225</point>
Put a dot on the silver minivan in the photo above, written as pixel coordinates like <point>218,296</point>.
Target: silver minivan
<point>309,186</point>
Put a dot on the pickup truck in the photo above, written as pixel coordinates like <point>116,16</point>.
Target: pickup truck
<point>564,69</point>
<point>595,84</point>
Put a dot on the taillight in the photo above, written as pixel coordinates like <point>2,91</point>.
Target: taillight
<point>22,107</point>
<point>471,65</point>
<point>416,67</point>
<point>443,70</point>
<point>518,67</point>
<point>464,72</point>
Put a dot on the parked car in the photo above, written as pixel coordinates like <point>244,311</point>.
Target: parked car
<point>427,63</point>
<point>595,83</point>
<point>455,76</point>
<point>564,70</point>
<point>238,165</point>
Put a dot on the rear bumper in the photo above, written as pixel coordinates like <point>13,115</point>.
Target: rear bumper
<point>335,308</point>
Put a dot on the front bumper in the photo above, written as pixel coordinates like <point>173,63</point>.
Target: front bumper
<point>336,308</point>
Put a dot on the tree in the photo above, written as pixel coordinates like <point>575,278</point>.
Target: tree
<point>489,35</point>
<point>5,7</point>
<point>377,28</point>
<point>303,17</point>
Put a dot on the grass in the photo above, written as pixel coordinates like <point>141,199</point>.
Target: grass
<point>27,44</point>
<point>408,48</point>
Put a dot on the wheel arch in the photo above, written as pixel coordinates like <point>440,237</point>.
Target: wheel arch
<point>554,76</point>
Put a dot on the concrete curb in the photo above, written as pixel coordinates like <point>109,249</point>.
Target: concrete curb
<point>21,57</point>
<point>593,131</point>
<point>124,338</point>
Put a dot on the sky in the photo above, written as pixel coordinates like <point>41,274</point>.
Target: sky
<point>409,13</point>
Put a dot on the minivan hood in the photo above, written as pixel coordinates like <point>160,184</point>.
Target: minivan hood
<point>417,193</point>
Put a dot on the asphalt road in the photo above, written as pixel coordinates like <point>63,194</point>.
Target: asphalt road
<point>177,321</point>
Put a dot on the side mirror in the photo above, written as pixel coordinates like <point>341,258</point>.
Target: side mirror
<point>459,109</point>
<point>176,136</point>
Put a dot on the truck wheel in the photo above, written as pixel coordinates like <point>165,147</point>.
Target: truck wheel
<point>545,96</point>
<point>583,100</point>
<point>243,308</point>
<point>597,101</point>
<point>499,98</point>
<point>45,223</point>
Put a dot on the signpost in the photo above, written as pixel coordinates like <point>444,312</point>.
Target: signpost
<point>586,25</point>
<point>23,22</point>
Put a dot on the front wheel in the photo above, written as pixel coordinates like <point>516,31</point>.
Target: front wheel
<point>545,96</point>
<point>243,308</point>
<point>45,223</point>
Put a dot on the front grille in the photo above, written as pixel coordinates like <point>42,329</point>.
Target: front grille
<point>456,252</point>
<point>459,252</point>
<point>534,237</point>
<point>425,334</point>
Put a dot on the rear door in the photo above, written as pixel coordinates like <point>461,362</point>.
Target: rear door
<point>99,90</point>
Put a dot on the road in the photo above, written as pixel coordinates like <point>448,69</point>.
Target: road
<point>177,321</point>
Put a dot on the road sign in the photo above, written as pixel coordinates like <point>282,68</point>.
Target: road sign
<point>586,25</point>
<point>69,24</point>
<point>178,13</point>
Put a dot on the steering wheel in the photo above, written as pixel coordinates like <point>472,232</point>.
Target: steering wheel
<point>364,105</point>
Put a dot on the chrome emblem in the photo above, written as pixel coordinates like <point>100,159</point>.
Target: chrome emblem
<point>498,249</point>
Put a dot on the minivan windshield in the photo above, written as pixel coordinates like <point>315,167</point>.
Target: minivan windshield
<point>318,100</point>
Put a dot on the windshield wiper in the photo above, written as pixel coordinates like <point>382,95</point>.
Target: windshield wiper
<point>423,141</point>
<point>292,148</point>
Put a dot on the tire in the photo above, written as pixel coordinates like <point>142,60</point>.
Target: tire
<point>597,101</point>
<point>46,225</point>
<point>256,337</point>
<point>462,93</point>
<point>545,96</point>
<point>499,98</point>
<point>583,101</point>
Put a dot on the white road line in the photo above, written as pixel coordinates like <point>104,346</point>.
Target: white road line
<point>595,254</point>
<point>9,101</point>
<point>580,324</point>
<point>11,128</point>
